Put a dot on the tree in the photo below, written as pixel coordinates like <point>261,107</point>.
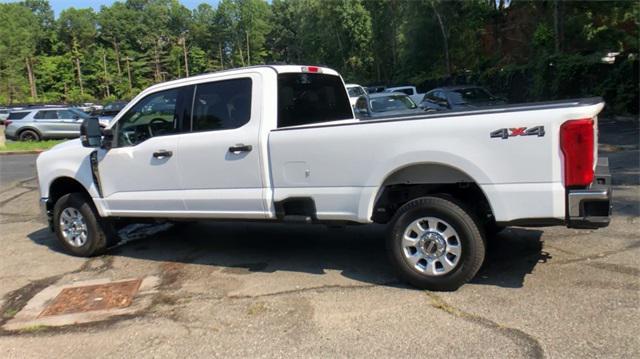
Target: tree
<point>17,45</point>
<point>77,31</point>
<point>131,44</point>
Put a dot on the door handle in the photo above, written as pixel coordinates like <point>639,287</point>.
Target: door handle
<point>160,154</point>
<point>240,148</point>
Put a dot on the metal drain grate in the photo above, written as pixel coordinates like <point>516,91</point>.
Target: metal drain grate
<point>93,297</point>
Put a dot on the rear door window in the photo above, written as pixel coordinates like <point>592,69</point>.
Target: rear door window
<point>222,105</point>
<point>46,115</point>
<point>66,114</point>
<point>305,98</point>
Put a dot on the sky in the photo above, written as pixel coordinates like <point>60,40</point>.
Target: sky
<point>59,5</point>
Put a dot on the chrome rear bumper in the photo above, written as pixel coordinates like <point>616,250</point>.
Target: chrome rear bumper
<point>590,208</point>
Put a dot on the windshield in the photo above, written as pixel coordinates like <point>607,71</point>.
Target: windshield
<point>80,113</point>
<point>355,91</point>
<point>471,94</point>
<point>392,103</point>
<point>113,108</point>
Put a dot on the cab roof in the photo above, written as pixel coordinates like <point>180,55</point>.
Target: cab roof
<point>280,69</point>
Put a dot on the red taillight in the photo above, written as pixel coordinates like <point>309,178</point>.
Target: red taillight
<point>7,122</point>
<point>576,142</point>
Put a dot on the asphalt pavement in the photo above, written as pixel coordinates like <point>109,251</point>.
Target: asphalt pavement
<point>273,290</point>
<point>15,168</point>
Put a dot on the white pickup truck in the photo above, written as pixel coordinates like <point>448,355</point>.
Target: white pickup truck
<point>281,143</point>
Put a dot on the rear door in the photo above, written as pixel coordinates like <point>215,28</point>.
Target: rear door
<point>220,161</point>
<point>48,123</point>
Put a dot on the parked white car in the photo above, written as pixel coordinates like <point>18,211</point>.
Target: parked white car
<point>280,143</point>
<point>411,91</point>
<point>355,91</point>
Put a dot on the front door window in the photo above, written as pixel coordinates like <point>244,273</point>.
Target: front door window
<point>155,115</point>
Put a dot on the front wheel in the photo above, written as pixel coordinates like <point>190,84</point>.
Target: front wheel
<point>79,228</point>
<point>435,244</point>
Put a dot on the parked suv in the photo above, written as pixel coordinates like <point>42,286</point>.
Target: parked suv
<point>36,124</point>
<point>459,98</point>
<point>4,113</point>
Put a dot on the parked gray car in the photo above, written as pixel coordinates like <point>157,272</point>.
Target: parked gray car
<point>4,113</point>
<point>35,124</point>
<point>459,98</point>
<point>384,104</point>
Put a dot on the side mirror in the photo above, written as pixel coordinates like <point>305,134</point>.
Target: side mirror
<point>90,133</point>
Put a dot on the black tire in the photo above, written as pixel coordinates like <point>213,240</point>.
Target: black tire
<point>29,135</point>
<point>470,238</point>
<point>99,232</point>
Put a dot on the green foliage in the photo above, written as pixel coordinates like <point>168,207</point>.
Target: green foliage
<point>525,50</point>
<point>17,43</point>
<point>18,146</point>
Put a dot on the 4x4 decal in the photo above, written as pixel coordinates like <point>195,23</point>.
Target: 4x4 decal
<point>505,133</point>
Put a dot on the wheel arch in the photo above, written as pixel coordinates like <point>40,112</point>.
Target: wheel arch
<point>28,128</point>
<point>64,185</point>
<point>426,178</point>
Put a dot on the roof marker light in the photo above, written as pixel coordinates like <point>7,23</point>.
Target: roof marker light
<point>312,69</point>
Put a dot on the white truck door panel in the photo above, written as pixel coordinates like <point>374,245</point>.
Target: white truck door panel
<point>139,176</point>
<point>134,180</point>
<point>220,166</point>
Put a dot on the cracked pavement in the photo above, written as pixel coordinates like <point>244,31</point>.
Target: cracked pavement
<point>271,290</point>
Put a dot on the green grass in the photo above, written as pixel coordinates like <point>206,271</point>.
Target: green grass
<point>17,146</point>
<point>34,328</point>
<point>10,313</point>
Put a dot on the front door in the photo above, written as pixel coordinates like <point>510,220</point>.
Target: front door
<point>139,174</point>
<point>220,161</point>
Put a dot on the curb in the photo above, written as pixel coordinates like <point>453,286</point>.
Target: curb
<point>32,152</point>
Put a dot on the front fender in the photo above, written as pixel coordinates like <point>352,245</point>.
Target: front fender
<point>68,161</point>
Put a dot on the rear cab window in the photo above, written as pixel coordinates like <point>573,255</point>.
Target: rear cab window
<point>306,98</point>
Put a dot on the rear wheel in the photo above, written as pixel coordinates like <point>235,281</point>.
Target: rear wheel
<point>79,228</point>
<point>29,135</point>
<point>435,244</point>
